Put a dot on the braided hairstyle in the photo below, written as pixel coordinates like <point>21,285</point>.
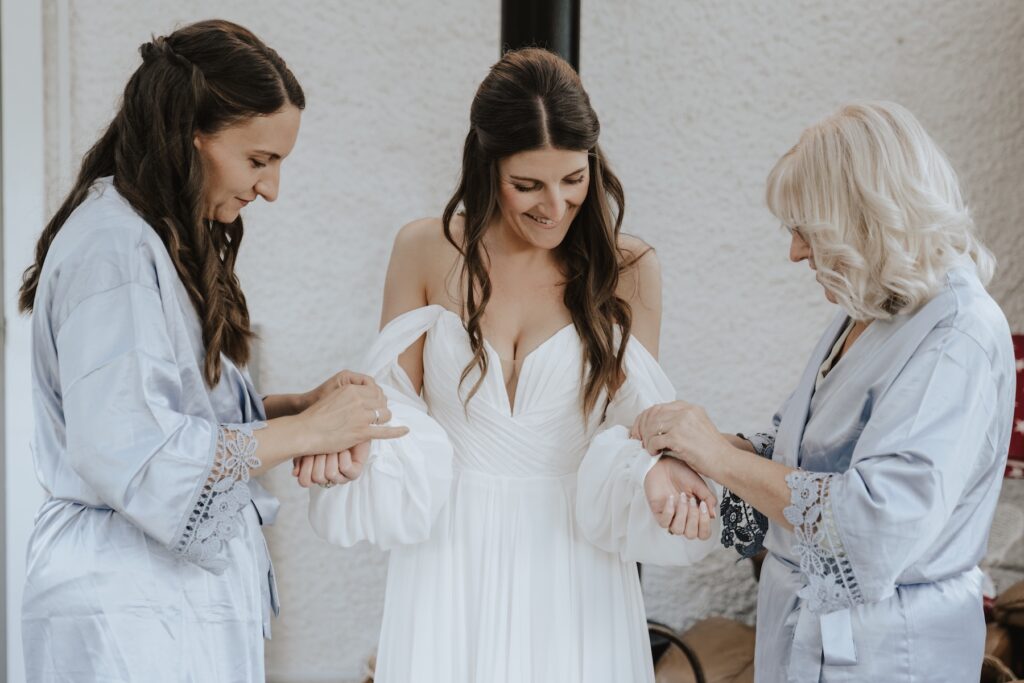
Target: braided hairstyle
<point>201,78</point>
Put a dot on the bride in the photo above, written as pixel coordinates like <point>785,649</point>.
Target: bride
<point>518,345</point>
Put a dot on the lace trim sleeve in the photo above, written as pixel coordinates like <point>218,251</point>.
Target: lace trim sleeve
<point>831,583</point>
<point>743,527</point>
<point>213,517</point>
<point>763,443</point>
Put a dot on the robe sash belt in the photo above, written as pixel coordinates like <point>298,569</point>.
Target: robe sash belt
<point>267,507</point>
<point>820,638</point>
<point>817,638</point>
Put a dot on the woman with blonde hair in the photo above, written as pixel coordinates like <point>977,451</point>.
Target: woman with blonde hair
<point>874,489</point>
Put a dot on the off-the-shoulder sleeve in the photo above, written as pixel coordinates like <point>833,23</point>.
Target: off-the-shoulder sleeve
<point>178,477</point>
<point>407,481</point>
<point>611,505</point>
<point>857,531</point>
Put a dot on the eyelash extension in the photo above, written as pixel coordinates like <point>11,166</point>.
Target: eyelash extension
<point>256,164</point>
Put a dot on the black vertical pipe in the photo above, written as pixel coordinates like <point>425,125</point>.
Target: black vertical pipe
<point>551,24</point>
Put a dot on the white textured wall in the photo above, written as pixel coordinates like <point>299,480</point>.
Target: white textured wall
<point>697,100</point>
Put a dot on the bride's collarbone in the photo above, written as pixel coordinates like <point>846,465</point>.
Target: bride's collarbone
<point>514,337</point>
<point>520,316</point>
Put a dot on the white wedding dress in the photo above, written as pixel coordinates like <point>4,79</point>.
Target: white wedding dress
<point>513,533</point>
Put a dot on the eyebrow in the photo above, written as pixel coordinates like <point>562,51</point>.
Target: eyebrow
<point>274,156</point>
<point>581,169</point>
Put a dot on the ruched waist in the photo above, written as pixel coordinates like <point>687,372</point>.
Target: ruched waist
<point>512,480</point>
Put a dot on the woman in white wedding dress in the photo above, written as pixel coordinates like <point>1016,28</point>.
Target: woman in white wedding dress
<point>518,346</point>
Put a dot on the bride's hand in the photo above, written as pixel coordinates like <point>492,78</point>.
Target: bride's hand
<point>681,430</point>
<point>331,468</point>
<point>673,491</point>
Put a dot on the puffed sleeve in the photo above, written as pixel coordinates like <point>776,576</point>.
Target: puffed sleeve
<point>406,482</point>
<point>858,530</point>
<point>129,434</point>
<point>611,505</point>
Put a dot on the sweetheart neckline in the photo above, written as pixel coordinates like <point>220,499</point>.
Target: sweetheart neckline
<point>511,399</point>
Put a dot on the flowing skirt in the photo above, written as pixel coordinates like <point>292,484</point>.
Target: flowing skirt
<point>507,590</point>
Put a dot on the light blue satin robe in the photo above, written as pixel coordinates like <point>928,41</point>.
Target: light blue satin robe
<point>147,562</point>
<point>901,452</point>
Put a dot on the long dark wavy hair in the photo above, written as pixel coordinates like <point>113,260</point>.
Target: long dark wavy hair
<point>533,99</point>
<point>201,78</point>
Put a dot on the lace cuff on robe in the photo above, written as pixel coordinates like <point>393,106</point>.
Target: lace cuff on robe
<point>213,517</point>
<point>831,584</point>
<point>743,527</point>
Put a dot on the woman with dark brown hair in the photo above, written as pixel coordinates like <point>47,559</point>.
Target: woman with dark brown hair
<point>147,562</point>
<point>524,324</point>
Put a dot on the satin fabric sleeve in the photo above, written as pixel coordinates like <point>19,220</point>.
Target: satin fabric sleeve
<point>611,505</point>
<point>180,478</point>
<point>858,530</point>
<point>406,481</point>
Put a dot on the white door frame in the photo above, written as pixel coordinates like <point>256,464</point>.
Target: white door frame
<point>23,207</point>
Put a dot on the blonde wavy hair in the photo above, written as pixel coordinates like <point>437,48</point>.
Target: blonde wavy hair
<point>880,206</point>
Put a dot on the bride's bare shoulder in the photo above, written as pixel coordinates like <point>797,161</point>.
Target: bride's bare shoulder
<point>640,271</point>
<point>423,262</point>
<point>640,287</point>
<point>425,238</point>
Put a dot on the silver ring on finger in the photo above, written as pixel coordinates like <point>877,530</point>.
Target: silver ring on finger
<point>376,416</point>
<point>326,485</point>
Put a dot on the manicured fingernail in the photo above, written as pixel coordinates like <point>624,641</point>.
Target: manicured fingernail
<point>693,501</point>
<point>704,507</point>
